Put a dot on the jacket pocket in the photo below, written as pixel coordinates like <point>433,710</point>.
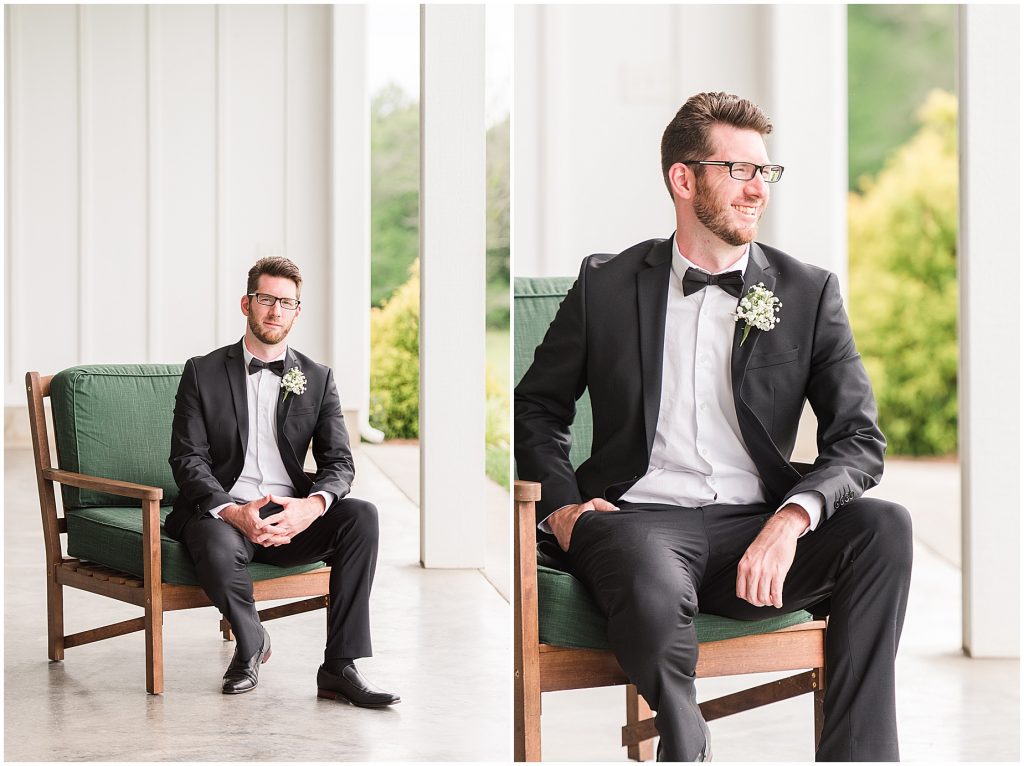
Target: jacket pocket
<point>772,359</point>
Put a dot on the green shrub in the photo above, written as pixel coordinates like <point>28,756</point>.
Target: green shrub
<point>394,361</point>
<point>497,434</point>
<point>903,284</point>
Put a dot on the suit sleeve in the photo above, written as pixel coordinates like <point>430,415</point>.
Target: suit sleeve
<point>335,469</point>
<point>851,447</point>
<point>545,404</point>
<point>190,460</point>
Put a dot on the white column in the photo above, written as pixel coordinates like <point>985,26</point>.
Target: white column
<point>349,268</point>
<point>452,283</point>
<point>989,248</point>
<point>807,101</point>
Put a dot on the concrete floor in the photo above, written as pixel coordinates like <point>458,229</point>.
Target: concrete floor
<point>442,639</point>
<point>951,707</point>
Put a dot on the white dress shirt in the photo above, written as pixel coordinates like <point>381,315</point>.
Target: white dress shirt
<point>263,472</point>
<point>699,457</point>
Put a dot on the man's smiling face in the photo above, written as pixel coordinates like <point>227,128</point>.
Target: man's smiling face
<point>728,208</point>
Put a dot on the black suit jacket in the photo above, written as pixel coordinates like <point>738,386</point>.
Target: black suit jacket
<point>608,336</point>
<point>210,432</point>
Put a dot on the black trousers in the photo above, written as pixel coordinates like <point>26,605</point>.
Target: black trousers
<point>651,568</point>
<point>345,537</point>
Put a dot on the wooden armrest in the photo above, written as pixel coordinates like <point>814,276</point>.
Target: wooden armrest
<point>527,491</point>
<point>98,483</point>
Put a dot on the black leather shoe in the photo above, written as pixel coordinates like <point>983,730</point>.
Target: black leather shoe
<point>352,687</point>
<point>244,675</point>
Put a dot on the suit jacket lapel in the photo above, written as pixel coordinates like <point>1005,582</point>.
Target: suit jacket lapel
<point>235,367</point>
<point>652,306</point>
<point>758,270</point>
<point>284,405</point>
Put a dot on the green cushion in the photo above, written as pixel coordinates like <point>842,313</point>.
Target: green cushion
<point>112,537</point>
<point>536,301</point>
<point>569,617</point>
<point>114,421</point>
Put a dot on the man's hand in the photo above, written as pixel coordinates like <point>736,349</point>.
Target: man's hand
<point>246,519</point>
<point>563,520</point>
<point>763,568</point>
<point>295,515</point>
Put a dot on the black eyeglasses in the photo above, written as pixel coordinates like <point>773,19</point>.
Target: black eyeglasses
<point>744,171</point>
<point>269,300</point>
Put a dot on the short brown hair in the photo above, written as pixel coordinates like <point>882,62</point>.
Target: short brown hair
<point>688,136</point>
<point>274,266</point>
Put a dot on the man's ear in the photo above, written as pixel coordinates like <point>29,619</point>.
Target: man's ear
<point>245,305</point>
<point>682,181</point>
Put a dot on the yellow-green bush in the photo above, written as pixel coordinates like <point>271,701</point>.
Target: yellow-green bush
<point>395,378</point>
<point>497,436</point>
<point>903,284</point>
<point>395,361</point>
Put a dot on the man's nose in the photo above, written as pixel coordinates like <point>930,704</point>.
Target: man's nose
<point>757,186</point>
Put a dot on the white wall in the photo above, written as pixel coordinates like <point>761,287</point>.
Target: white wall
<point>595,87</point>
<point>154,153</point>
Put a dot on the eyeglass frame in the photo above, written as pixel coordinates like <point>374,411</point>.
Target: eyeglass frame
<point>275,301</point>
<point>758,169</point>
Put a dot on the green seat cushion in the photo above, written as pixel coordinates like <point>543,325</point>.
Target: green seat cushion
<point>112,536</point>
<point>114,421</point>
<point>536,301</point>
<point>569,617</point>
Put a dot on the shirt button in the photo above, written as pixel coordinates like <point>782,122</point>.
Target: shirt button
<point>703,406</point>
<point>704,451</point>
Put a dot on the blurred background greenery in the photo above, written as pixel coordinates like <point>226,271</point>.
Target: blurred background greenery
<point>394,238</point>
<point>902,229</point>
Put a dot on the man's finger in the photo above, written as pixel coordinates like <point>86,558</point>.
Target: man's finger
<point>600,504</point>
<point>273,518</point>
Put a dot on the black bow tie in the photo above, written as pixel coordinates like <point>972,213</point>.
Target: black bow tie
<point>275,367</point>
<point>695,280</point>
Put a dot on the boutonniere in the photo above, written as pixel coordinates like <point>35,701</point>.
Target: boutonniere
<point>758,309</point>
<point>293,382</point>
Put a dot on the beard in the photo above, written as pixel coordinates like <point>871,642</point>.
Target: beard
<point>268,335</point>
<point>716,219</point>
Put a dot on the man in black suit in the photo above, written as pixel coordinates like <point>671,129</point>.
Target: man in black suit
<point>244,418</point>
<point>689,501</point>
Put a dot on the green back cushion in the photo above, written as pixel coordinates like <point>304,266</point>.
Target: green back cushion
<point>114,421</point>
<point>536,301</point>
<point>570,617</point>
<point>113,537</point>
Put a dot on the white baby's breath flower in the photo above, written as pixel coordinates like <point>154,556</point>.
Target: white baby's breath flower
<point>293,382</point>
<point>758,308</point>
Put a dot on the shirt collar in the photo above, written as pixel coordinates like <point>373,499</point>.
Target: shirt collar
<point>680,263</point>
<point>249,356</point>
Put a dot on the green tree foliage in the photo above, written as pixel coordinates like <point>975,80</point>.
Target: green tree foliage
<point>498,208</point>
<point>896,55</point>
<point>394,189</point>
<point>395,361</point>
<point>903,284</point>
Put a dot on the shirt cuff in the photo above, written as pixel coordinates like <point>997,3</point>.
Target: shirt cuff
<point>215,512</point>
<point>812,502</point>
<point>544,526</point>
<point>328,499</point>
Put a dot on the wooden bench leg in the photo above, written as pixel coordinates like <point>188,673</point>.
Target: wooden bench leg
<point>638,710</point>
<point>819,705</point>
<point>154,649</point>
<point>54,618</point>
<point>225,629</point>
